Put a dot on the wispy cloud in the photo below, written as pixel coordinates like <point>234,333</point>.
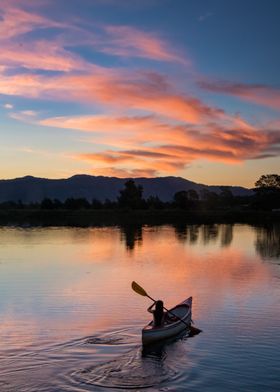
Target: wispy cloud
<point>257,93</point>
<point>205,16</point>
<point>123,173</point>
<point>143,91</point>
<point>8,106</point>
<point>29,116</point>
<point>16,21</point>
<point>131,42</point>
<point>40,55</point>
<point>151,125</point>
<point>166,148</point>
<point>19,49</point>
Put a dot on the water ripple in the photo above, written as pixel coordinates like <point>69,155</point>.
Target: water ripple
<point>139,368</point>
<point>130,371</point>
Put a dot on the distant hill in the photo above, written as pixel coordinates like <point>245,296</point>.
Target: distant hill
<point>33,189</point>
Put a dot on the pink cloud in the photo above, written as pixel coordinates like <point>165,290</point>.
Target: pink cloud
<point>16,21</point>
<point>26,85</point>
<point>19,50</point>
<point>40,55</point>
<point>143,91</point>
<point>131,42</point>
<point>151,127</point>
<point>256,93</point>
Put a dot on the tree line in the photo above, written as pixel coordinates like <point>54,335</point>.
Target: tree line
<point>266,196</point>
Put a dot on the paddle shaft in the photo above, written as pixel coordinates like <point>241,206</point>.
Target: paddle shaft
<point>169,311</point>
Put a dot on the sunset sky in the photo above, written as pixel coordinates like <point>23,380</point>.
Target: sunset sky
<point>140,88</point>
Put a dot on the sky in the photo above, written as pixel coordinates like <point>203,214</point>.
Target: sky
<point>140,88</point>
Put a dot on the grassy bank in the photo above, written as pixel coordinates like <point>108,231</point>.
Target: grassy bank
<point>84,218</point>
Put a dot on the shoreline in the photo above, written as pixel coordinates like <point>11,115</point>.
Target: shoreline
<point>87,218</point>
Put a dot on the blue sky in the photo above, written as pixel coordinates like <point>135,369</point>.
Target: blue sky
<point>140,88</point>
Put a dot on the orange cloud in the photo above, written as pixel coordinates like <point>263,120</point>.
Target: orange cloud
<point>256,93</point>
<point>152,127</point>
<point>215,144</point>
<point>123,173</point>
<point>166,148</point>
<point>134,160</point>
<point>101,123</point>
<point>142,91</point>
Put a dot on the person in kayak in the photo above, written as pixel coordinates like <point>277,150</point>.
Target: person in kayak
<point>158,313</point>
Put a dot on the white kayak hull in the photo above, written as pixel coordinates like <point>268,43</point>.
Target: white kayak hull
<point>183,310</point>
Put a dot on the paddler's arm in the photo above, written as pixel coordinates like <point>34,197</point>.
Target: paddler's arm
<point>150,308</point>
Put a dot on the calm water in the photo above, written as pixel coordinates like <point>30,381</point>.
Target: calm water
<point>69,320</point>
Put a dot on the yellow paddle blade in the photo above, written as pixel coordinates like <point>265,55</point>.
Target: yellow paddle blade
<point>138,289</point>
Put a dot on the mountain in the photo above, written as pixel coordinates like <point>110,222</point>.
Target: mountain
<point>33,189</point>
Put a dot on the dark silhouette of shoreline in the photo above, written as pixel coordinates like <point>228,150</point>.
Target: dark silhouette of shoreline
<point>87,218</point>
<point>187,206</point>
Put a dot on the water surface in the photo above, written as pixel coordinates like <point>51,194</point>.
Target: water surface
<point>69,320</point>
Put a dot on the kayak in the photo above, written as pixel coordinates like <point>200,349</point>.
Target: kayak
<point>172,326</point>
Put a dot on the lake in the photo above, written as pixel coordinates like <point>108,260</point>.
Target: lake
<point>69,320</point>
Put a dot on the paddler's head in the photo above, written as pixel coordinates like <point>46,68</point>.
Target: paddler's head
<point>159,306</point>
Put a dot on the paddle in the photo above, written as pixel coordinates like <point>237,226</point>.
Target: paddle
<point>139,290</point>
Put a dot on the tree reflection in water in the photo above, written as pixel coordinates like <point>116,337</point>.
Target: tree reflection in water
<point>226,235</point>
<point>268,241</point>
<point>131,235</point>
<point>186,233</point>
<point>207,233</point>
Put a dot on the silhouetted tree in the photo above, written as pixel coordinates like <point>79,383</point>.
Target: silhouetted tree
<point>131,195</point>
<point>210,199</point>
<point>267,192</point>
<point>226,196</point>
<point>47,204</point>
<point>109,205</point>
<point>193,195</point>
<point>96,204</point>
<point>57,204</point>
<point>181,199</point>
<point>268,181</point>
<point>9,205</point>
<point>154,202</point>
<point>76,204</point>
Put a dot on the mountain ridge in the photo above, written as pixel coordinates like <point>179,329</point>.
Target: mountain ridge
<point>35,189</point>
